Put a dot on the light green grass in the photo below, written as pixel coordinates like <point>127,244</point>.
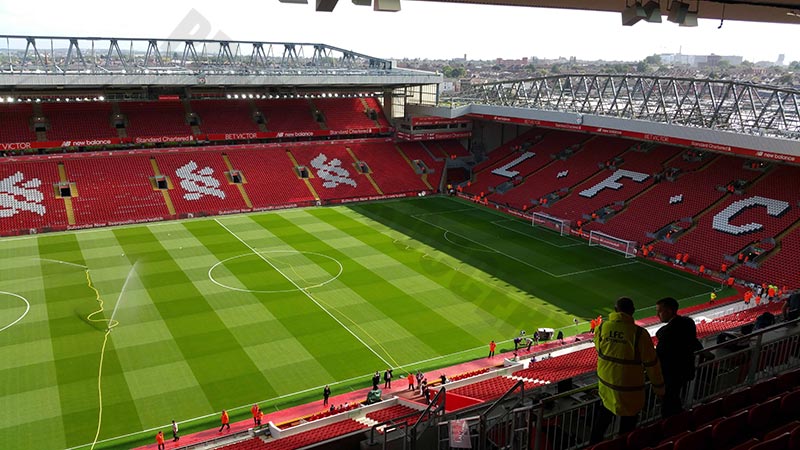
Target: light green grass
<point>220,313</point>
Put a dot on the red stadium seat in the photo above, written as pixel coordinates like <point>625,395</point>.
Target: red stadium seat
<point>777,443</point>
<point>730,431</point>
<point>700,439</point>
<point>644,437</point>
<point>611,444</point>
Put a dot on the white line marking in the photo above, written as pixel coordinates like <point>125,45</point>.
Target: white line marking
<point>211,277</point>
<point>58,261</point>
<point>598,268</point>
<point>304,291</point>
<point>679,275</point>
<point>27,308</point>
<point>499,222</point>
<point>464,246</point>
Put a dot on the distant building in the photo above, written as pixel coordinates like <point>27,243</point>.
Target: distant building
<point>699,60</point>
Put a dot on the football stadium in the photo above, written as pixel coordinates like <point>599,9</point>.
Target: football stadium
<point>220,244</point>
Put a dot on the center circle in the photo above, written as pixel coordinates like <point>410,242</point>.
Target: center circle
<point>27,308</point>
<point>262,255</point>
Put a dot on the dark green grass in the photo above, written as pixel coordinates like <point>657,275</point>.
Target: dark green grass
<point>415,284</point>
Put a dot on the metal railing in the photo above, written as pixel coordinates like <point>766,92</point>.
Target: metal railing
<point>564,421</point>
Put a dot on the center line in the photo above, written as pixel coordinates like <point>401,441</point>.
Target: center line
<point>301,289</point>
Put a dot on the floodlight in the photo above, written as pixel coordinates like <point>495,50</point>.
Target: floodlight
<point>631,16</point>
<point>677,11</point>
<point>652,11</point>
<point>690,20</point>
<point>386,5</point>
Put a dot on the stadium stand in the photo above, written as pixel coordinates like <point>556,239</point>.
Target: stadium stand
<point>145,119</point>
<point>272,176</point>
<point>27,199</point>
<point>372,103</point>
<point>316,435</point>
<point>507,149</point>
<point>201,183</point>
<point>287,114</point>
<point>451,148</point>
<point>16,123</point>
<point>71,121</point>
<point>114,190</point>
<point>225,116</point>
<point>709,245</point>
<point>390,170</point>
<point>418,151</point>
<point>576,206</point>
<point>344,113</point>
<point>561,174</point>
<point>335,175</point>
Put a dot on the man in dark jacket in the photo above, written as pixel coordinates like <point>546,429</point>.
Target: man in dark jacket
<point>677,344</point>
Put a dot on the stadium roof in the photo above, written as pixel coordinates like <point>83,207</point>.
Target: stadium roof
<point>46,61</point>
<point>775,11</point>
<point>714,104</point>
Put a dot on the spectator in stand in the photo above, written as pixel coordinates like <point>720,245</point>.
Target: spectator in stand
<point>492,346</point>
<point>747,297</point>
<point>624,352</point>
<point>791,308</point>
<point>326,394</point>
<point>677,344</point>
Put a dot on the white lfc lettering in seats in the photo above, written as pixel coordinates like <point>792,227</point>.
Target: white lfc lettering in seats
<point>722,220</point>
<point>16,196</point>
<point>198,183</point>
<point>333,173</point>
<point>506,171</point>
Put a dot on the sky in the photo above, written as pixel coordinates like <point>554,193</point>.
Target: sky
<point>420,30</point>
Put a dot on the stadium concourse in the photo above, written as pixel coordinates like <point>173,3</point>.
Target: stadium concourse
<point>468,384</point>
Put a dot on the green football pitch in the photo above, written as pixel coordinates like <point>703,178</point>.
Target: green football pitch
<point>219,313</point>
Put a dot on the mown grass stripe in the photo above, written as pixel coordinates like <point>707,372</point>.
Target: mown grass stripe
<point>315,331</point>
<point>416,318</point>
<point>219,364</point>
<point>76,348</point>
<point>502,310</point>
<point>141,341</point>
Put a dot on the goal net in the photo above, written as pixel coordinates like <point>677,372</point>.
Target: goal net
<point>553,223</point>
<point>613,243</point>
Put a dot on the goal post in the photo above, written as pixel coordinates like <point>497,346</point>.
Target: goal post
<point>553,223</point>
<point>620,245</point>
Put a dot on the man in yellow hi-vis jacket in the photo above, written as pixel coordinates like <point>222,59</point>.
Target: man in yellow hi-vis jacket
<point>624,352</point>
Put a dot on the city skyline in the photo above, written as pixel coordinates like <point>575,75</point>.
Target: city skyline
<point>426,30</point>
